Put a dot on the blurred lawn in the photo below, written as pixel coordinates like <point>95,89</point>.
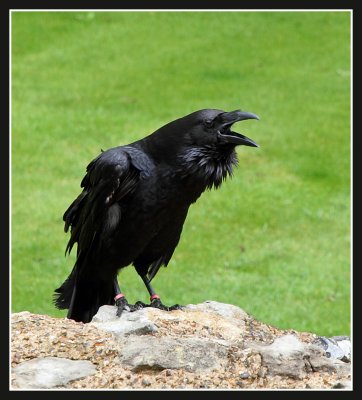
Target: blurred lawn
<point>275,240</point>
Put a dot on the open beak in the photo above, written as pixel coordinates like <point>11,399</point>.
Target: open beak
<point>226,135</point>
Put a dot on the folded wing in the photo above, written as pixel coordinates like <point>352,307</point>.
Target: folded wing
<point>96,212</point>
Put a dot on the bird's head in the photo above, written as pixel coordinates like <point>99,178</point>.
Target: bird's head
<point>200,144</point>
<point>208,129</point>
<point>213,127</point>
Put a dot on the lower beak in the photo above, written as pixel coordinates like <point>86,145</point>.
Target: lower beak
<point>237,139</point>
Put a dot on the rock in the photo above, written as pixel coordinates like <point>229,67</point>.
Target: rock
<point>50,372</point>
<point>337,347</point>
<point>284,357</point>
<point>288,356</point>
<point>342,385</point>
<point>136,323</point>
<point>212,316</point>
<point>160,353</point>
<point>209,345</point>
<point>227,311</point>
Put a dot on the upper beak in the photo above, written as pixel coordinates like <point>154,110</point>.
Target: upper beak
<point>237,115</point>
<point>228,136</point>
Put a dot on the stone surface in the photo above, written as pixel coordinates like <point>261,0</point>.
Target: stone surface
<point>288,356</point>
<point>285,356</point>
<point>204,346</point>
<point>224,310</point>
<point>136,323</point>
<point>337,347</point>
<point>50,372</point>
<point>191,354</point>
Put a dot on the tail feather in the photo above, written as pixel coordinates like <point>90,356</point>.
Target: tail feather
<point>83,297</point>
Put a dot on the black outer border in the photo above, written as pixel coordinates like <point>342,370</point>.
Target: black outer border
<point>321,5</point>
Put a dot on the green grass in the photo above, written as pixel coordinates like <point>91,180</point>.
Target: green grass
<point>274,240</point>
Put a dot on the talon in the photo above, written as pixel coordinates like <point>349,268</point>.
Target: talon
<point>176,307</point>
<point>122,304</point>
<point>157,303</point>
<point>139,305</point>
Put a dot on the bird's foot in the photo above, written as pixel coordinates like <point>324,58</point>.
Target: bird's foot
<point>157,303</point>
<point>123,305</point>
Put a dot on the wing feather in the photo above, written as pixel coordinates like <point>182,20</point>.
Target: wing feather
<point>109,178</point>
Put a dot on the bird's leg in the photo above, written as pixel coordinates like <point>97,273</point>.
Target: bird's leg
<point>155,298</point>
<point>121,301</point>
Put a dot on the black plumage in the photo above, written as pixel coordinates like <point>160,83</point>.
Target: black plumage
<point>134,203</point>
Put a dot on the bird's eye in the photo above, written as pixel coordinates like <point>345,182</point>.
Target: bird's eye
<point>208,123</point>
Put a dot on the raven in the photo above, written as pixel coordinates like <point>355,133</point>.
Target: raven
<point>134,203</point>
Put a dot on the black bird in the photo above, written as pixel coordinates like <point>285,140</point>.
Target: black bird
<point>134,203</point>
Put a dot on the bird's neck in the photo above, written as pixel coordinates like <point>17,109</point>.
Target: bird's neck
<point>205,166</point>
<point>209,165</point>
